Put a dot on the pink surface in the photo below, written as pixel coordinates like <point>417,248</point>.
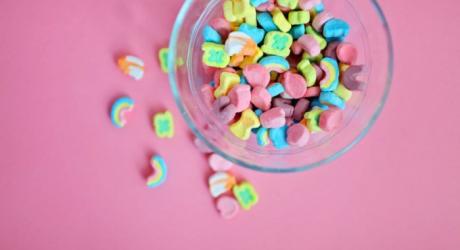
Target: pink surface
<point>70,180</point>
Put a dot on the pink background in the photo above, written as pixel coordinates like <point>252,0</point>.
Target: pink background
<point>70,180</point>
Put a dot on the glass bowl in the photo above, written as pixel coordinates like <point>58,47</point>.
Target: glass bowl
<point>370,34</point>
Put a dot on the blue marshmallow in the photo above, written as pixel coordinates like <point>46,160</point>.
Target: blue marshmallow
<point>255,33</point>
<point>297,31</point>
<point>211,35</point>
<point>266,21</point>
<point>336,29</point>
<point>331,99</point>
<point>278,137</point>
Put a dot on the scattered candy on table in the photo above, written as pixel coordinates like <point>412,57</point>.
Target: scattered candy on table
<point>163,56</point>
<point>120,109</point>
<point>160,171</point>
<point>164,125</point>
<point>227,206</point>
<point>246,195</point>
<point>132,66</point>
<point>282,70</point>
<point>220,183</point>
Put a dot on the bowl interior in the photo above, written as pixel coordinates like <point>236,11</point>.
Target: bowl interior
<point>369,34</point>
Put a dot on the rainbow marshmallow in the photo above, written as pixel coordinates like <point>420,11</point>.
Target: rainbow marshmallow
<point>120,108</point>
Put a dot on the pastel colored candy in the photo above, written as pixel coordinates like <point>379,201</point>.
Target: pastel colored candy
<point>265,20</point>
<point>240,96</point>
<point>255,33</point>
<point>257,75</point>
<point>288,4</point>
<point>343,93</point>
<point>309,44</point>
<point>248,60</point>
<point>223,109</point>
<point>227,82</point>
<point>278,137</point>
<point>217,73</point>
<point>201,146</point>
<point>221,25</point>
<point>132,66</point>
<point>319,72</point>
<point>308,71</point>
<point>207,94</point>
<point>257,3</point>
<point>218,163</point>
<point>347,53</point>
<point>228,207</point>
<point>311,58</point>
<point>331,50</point>
<point>331,119</point>
<point>300,108</point>
<point>262,137</point>
<point>331,99</point>
<point>322,42</point>
<point>277,43</point>
<point>350,78</point>
<point>268,6</point>
<point>242,128</point>
<point>298,135</point>
<point>237,42</point>
<point>275,63</point>
<point>298,17</point>
<point>312,119</point>
<point>120,109</point>
<point>163,57</point>
<point>297,31</point>
<point>164,124</point>
<point>308,4</point>
<point>273,118</point>
<point>294,84</point>
<point>319,8</point>
<point>331,74</point>
<point>215,55</point>
<point>275,89</point>
<point>313,91</point>
<point>211,35</point>
<point>235,10</point>
<point>336,29</point>
<point>220,183</point>
<point>160,171</point>
<point>251,16</point>
<point>246,195</point>
<point>280,20</point>
<point>261,98</point>
<point>320,20</point>
<point>285,105</point>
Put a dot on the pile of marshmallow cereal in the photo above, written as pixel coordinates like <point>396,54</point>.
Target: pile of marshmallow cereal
<point>281,70</point>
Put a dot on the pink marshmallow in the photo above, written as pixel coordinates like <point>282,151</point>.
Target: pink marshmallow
<point>222,26</point>
<point>261,98</point>
<point>257,75</point>
<point>300,108</point>
<point>273,118</point>
<point>298,135</point>
<point>330,119</point>
<point>347,53</point>
<point>207,94</point>
<point>320,20</point>
<point>313,91</point>
<point>310,45</point>
<point>218,163</point>
<point>240,96</point>
<point>224,109</point>
<point>308,4</point>
<point>294,84</point>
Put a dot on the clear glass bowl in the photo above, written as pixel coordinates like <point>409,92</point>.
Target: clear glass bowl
<point>369,32</point>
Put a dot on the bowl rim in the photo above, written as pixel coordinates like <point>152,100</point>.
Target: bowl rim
<point>172,81</point>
